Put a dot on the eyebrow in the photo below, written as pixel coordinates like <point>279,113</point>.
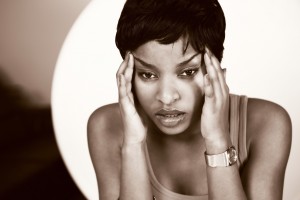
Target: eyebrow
<point>178,65</point>
<point>188,60</point>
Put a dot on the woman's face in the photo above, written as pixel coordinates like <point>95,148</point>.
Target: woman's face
<point>168,85</point>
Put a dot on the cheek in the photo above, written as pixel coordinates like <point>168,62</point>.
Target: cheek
<point>143,92</point>
<point>190,94</point>
<point>191,89</point>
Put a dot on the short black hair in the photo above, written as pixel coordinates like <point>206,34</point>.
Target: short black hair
<point>201,22</point>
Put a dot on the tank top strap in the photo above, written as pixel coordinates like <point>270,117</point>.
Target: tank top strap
<point>238,122</point>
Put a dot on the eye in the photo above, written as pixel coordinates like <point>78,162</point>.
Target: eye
<point>189,72</point>
<point>147,75</point>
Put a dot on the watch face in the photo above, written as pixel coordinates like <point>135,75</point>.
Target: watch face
<point>232,155</point>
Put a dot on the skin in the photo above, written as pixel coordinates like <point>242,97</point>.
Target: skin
<point>154,74</point>
<point>117,133</point>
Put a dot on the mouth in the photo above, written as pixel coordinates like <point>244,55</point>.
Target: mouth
<point>170,118</point>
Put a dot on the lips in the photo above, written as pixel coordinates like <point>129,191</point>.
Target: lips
<point>170,118</point>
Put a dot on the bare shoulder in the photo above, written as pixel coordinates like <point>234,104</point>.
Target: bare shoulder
<point>105,139</point>
<point>267,120</point>
<point>105,123</point>
<point>269,133</point>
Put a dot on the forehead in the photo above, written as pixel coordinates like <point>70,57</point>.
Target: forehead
<point>154,51</point>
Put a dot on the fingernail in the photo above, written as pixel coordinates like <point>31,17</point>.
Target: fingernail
<point>130,57</point>
<point>208,52</point>
<point>127,54</point>
<point>207,55</point>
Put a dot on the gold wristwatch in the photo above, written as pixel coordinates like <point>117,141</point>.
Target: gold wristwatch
<point>225,159</point>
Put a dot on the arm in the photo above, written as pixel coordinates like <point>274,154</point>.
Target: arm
<point>223,182</point>
<point>135,183</point>
<point>268,134</point>
<point>116,142</point>
<point>121,170</point>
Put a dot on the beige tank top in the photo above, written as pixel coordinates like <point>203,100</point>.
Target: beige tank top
<point>238,117</point>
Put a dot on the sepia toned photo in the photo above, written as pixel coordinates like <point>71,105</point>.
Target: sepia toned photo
<point>149,99</point>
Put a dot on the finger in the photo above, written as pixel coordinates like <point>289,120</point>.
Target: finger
<point>129,68</point>
<point>122,66</point>
<point>122,69</point>
<point>213,76</point>
<point>128,74</point>
<point>122,87</point>
<point>199,78</point>
<point>125,102</point>
<point>220,74</point>
<point>208,88</point>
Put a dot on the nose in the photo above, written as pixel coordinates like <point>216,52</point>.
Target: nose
<point>167,93</point>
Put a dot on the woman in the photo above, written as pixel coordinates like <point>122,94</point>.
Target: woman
<point>177,133</point>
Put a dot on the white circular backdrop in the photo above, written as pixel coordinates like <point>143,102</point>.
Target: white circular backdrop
<point>261,55</point>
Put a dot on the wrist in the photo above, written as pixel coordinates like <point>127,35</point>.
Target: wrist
<point>225,159</point>
<point>134,137</point>
<point>218,144</point>
<point>132,147</point>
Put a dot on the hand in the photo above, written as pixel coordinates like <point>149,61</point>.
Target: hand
<point>215,111</point>
<point>134,130</point>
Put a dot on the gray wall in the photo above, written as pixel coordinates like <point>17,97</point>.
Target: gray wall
<point>31,35</point>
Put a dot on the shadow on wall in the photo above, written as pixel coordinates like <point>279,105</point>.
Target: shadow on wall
<point>31,166</point>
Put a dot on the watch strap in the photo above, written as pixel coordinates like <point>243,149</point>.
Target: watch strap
<point>225,159</point>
